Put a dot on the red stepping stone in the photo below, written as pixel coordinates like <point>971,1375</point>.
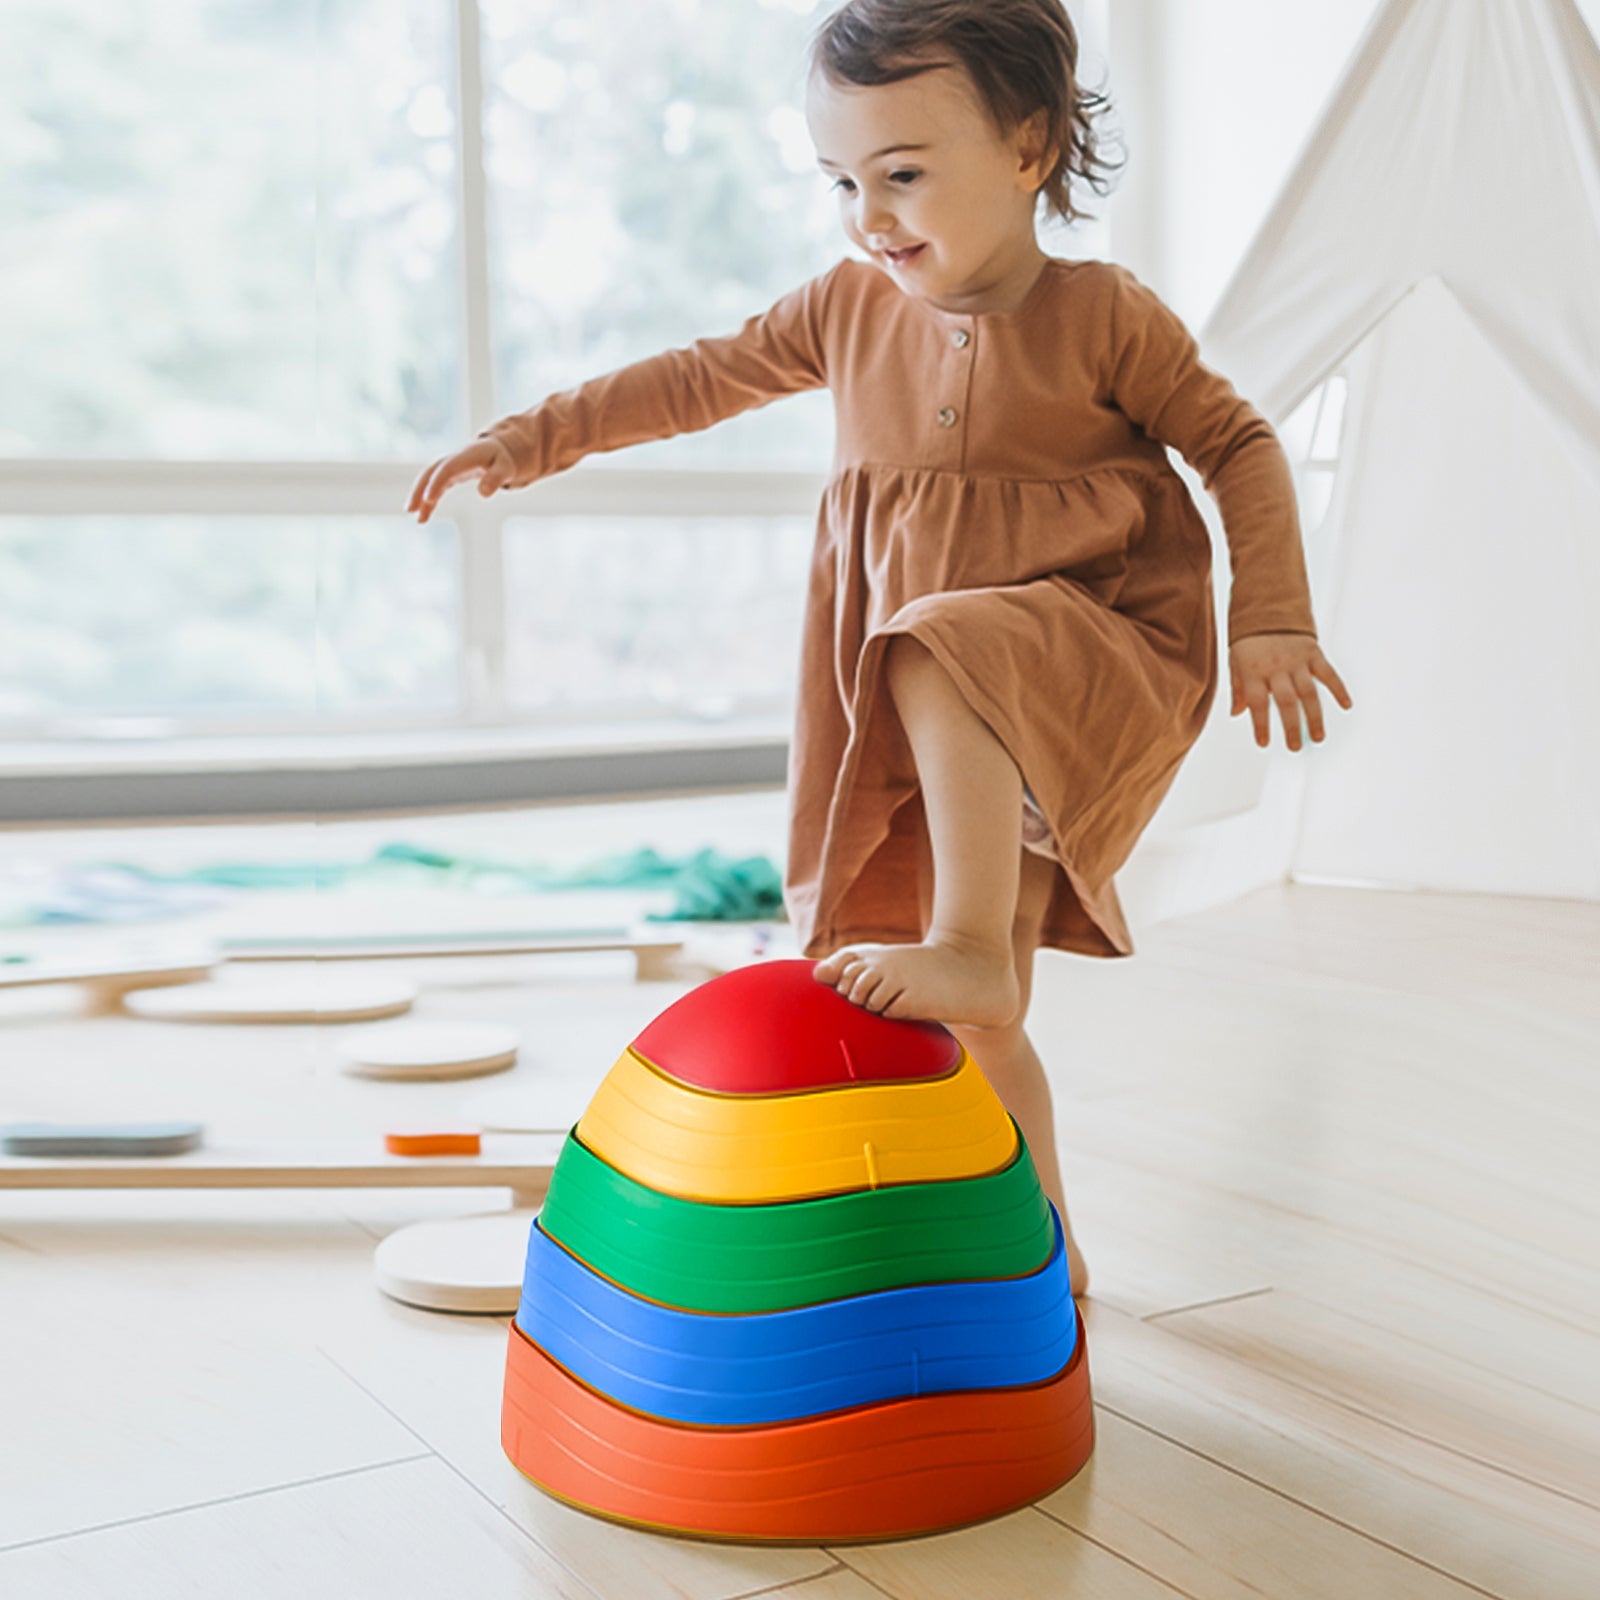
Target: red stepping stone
<point>772,1028</point>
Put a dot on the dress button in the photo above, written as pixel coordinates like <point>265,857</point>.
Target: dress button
<point>947,416</point>
<point>960,338</point>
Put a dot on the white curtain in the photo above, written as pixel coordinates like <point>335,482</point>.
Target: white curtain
<point>1439,242</point>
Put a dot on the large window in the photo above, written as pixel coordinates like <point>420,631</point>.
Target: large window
<point>261,262</point>
<point>652,180</point>
<point>271,620</point>
<point>229,229</point>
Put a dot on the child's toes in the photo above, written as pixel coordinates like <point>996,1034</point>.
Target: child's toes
<point>893,1005</point>
<point>883,999</point>
<point>840,967</point>
<point>829,971</point>
<point>866,988</point>
<point>858,978</point>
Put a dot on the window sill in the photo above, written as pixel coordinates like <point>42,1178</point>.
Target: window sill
<point>415,770</point>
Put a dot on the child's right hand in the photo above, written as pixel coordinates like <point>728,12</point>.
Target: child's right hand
<point>485,459</point>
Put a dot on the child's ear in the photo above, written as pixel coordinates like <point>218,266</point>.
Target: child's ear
<point>1035,153</point>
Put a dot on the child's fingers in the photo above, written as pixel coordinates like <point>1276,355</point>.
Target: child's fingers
<point>498,473</point>
<point>425,496</point>
<point>1250,694</point>
<point>1261,716</point>
<point>1324,669</point>
<point>451,470</point>
<point>1293,690</point>
<point>1312,702</point>
<point>1259,695</point>
<point>437,483</point>
<point>418,488</point>
<point>1287,694</point>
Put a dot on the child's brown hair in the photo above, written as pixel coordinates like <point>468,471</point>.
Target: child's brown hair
<point>1022,57</point>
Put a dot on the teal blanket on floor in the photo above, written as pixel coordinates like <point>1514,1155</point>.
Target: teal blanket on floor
<point>707,886</point>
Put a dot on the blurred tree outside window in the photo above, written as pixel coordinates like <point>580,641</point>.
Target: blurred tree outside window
<point>225,617</point>
<point>696,616</point>
<point>652,181</point>
<point>230,232</point>
<point>229,229</point>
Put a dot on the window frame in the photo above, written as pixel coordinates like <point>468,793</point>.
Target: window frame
<point>60,486</point>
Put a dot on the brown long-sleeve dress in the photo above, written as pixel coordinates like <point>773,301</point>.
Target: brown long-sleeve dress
<point>1000,490</point>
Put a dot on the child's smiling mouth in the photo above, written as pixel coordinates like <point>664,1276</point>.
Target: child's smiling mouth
<point>901,258</point>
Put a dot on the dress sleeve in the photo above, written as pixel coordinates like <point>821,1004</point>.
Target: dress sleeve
<point>778,351</point>
<point>1159,381</point>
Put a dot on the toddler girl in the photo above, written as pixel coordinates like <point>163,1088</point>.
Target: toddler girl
<point>1009,641</point>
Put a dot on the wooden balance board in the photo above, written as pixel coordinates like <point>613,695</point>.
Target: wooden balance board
<point>108,981</point>
<point>341,997</point>
<point>884,1471</point>
<point>521,1163</point>
<point>538,1103</point>
<point>654,954</point>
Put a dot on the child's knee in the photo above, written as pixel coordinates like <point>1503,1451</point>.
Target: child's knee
<point>905,657</point>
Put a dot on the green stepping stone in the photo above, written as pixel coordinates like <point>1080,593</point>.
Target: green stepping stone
<point>698,1256</point>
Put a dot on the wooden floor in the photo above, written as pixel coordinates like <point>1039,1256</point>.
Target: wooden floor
<point>1332,1155</point>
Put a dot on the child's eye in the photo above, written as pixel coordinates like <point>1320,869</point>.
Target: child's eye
<point>908,175</point>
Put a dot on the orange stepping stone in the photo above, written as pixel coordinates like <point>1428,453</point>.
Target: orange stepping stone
<point>885,1471</point>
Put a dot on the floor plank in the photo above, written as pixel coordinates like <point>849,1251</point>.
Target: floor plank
<point>840,1584</point>
<point>1478,1411</point>
<point>1221,1536</point>
<point>110,1415</point>
<point>1457,1514</point>
<point>1304,1173</point>
<point>1165,1240</point>
<point>455,1412</point>
<point>1026,1553</point>
<point>1328,1151</point>
<point>410,1531</point>
<point>432,1382</point>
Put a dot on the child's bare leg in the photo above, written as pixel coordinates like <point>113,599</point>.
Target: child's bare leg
<point>1012,1066</point>
<point>963,971</point>
<point>1018,1077</point>
<point>1014,1069</point>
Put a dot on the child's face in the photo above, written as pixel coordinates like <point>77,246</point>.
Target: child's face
<point>966,198</point>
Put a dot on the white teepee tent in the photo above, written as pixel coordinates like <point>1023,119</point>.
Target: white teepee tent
<point>1438,246</point>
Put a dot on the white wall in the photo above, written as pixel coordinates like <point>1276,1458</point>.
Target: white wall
<point>1218,98</point>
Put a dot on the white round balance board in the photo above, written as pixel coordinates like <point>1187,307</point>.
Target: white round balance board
<point>418,1049</point>
<point>459,1264</point>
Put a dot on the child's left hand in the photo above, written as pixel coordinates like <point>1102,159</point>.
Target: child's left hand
<point>1282,667</point>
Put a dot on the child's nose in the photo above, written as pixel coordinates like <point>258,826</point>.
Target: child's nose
<point>878,221</point>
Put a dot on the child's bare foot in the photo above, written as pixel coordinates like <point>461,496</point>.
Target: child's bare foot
<point>942,980</point>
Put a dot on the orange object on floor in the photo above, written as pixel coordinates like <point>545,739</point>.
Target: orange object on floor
<point>441,1142</point>
<point>885,1471</point>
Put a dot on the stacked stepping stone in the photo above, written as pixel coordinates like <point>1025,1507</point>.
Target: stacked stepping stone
<point>795,1279</point>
